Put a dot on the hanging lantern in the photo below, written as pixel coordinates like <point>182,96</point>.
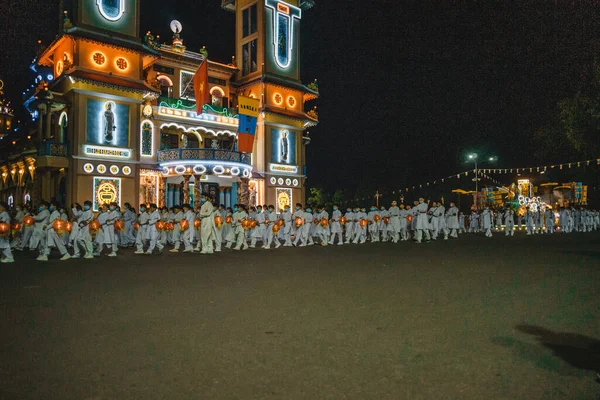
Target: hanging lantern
<point>363,223</point>
<point>228,219</point>
<point>196,223</point>
<point>386,220</point>
<point>136,226</point>
<point>377,218</point>
<point>184,224</point>
<point>28,220</point>
<point>246,224</point>
<point>299,222</point>
<point>119,225</point>
<point>160,226</point>
<point>324,222</point>
<point>4,229</point>
<point>343,220</point>
<point>253,224</point>
<point>58,226</point>
<point>95,226</point>
<point>219,221</point>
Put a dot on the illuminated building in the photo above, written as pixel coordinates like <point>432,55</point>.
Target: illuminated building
<point>118,120</point>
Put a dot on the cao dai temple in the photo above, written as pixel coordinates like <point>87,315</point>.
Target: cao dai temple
<point>116,118</point>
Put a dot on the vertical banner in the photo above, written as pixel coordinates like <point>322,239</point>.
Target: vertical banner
<point>201,90</point>
<point>248,116</point>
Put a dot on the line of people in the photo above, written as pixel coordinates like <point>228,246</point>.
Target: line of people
<point>210,229</point>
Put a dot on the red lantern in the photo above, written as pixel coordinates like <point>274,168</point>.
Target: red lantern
<point>386,220</point>
<point>16,226</point>
<point>196,223</point>
<point>299,222</point>
<point>184,224</point>
<point>324,222</point>
<point>253,224</point>
<point>136,226</point>
<point>95,226</point>
<point>316,221</point>
<point>4,228</point>
<point>377,218</point>
<point>245,223</point>
<point>276,228</point>
<point>69,227</point>
<point>28,220</point>
<point>169,226</point>
<point>119,225</point>
<point>279,223</point>
<point>219,221</point>
<point>409,218</point>
<point>363,223</point>
<point>343,220</point>
<point>228,219</point>
<point>58,225</point>
<point>160,226</point>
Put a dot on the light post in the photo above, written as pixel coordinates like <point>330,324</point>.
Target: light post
<point>473,158</point>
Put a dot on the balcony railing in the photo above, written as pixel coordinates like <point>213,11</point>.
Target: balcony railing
<point>54,149</point>
<point>208,155</point>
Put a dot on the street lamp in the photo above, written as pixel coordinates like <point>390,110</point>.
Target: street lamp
<point>473,158</point>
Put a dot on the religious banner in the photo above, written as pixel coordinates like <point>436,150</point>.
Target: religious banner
<point>106,190</point>
<point>248,116</point>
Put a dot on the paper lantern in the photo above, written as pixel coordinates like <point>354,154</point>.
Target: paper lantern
<point>316,221</point>
<point>276,228</point>
<point>377,218</point>
<point>409,218</point>
<point>28,220</point>
<point>279,223</point>
<point>160,226</point>
<point>184,224</point>
<point>196,223</point>
<point>363,223</point>
<point>246,223</point>
<point>119,225</point>
<point>4,228</point>
<point>253,224</point>
<point>343,220</point>
<point>228,219</point>
<point>69,227</point>
<point>16,226</point>
<point>136,226</point>
<point>169,226</point>
<point>386,220</point>
<point>95,226</point>
<point>219,221</point>
<point>58,225</point>
<point>324,222</point>
<point>299,222</point>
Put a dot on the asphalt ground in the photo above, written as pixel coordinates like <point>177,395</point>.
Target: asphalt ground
<point>473,318</point>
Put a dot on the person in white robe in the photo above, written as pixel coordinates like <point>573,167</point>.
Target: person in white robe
<point>452,220</point>
<point>336,227</point>
<point>349,226</point>
<point>7,256</point>
<point>84,237</point>
<point>487,218</point>
<point>40,235</point>
<point>422,224</point>
<point>395,225</point>
<point>142,235</point>
<point>509,222</point>
<point>54,238</point>
<point>152,231</point>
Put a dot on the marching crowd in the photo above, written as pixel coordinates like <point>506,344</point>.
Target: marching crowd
<point>208,229</point>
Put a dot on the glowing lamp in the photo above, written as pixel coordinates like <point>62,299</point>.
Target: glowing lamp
<point>228,219</point>
<point>279,223</point>
<point>299,222</point>
<point>196,223</point>
<point>219,221</point>
<point>119,225</point>
<point>28,220</point>
<point>136,226</point>
<point>386,220</point>
<point>253,224</point>
<point>363,223</point>
<point>58,225</point>
<point>95,226</point>
<point>343,220</point>
<point>4,228</point>
<point>324,222</point>
<point>69,226</point>
<point>377,218</point>
<point>184,224</point>
<point>276,228</point>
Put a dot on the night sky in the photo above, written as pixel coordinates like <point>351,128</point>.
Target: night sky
<point>406,89</point>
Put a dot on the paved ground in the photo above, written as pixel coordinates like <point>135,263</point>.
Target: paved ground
<point>506,318</point>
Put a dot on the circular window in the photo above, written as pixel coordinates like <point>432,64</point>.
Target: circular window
<point>122,63</point>
<point>99,58</point>
<point>291,101</point>
<point>277,98</point>
<point>165,171</point>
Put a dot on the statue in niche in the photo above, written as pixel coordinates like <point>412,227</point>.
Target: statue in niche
<point>285,145</point>
<point>109,122</point>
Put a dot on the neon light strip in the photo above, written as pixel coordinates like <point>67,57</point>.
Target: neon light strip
<point>192,116</point>
<point>205,163</point>
<point>121,10</point>
<point>147,121</point>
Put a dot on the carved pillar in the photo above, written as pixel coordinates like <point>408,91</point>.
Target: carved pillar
<point>36,189</point>
<point>244,192</point>
<point>162,184</point>
<point>186,189</point>
<point>197,190</point>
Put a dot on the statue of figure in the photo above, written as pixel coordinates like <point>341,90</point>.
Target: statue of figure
<point>109,123</point>
<point>215,144</point>
<point>252,194</point>
<point>284,147</point>
<point>184,140</point>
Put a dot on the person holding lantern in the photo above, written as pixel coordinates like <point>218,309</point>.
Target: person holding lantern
<point>271,217</point>
<point>296,229</point>
<point>84,237</point>
<point>303,234</point>
<point>127,237</point>
<point>228,234</point>
<point>28,229</point>
<point>40,237</point>
<point>207,225</point>
<point>5,232</point>
<point>452,220</point>
<point>394,227</point>
<point>373,224</point>
<point>323,226</point>
<point>99,236</point>
<point>142,221</point>
<point>188,236</point>
<point>349,226</point>
<point>509,222</point>
<point>152,231</point>
<point>19,215</point>
<point>287,227</point>
<point>487,218</point>
<point>336,227</point>
<point>177,218</point>
<point>383,223</point>
<point>406,217</point>
<point>108,229</point>
<point>257,233</point>
<point>422,224</point>
<point>240,216</point>
<point>56,227</point>
<point>360,225</point>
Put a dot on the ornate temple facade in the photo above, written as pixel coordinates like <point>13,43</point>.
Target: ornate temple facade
<point>116,118</point>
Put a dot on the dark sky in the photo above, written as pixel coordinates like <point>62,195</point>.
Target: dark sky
<point>407,88</point>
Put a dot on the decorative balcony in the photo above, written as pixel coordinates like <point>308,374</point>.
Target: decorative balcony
<point>205,162</point>
<point>53,149</point>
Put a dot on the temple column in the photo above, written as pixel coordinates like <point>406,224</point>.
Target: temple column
<point>162,182</point>
<point>48,132</point>
<point>244,192</point>
<point>197,190</point>
<point>186,189</point>
<point>36,190</point>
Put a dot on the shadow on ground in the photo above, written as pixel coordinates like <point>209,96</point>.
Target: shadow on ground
<point>566,349</point>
